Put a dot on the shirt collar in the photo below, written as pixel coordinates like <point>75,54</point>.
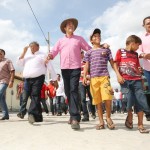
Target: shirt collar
<point>147,34</point>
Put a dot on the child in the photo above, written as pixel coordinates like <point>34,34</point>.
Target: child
<point>128,72</point>
<point>96,60</point>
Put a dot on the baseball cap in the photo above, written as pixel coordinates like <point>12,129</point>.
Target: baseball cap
<point>94,32</point>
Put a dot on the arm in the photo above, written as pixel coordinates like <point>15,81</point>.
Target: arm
<point>24,52</point>
<point>120,79</point>
<point>85,72</point>
<point>11,81</point>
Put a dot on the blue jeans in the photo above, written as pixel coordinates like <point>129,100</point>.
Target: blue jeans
<point>82,92</point>
<point>147,75</point>
<point>3,87</point>
<point>133,91</point>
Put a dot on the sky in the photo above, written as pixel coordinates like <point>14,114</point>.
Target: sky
<point>117,19</point>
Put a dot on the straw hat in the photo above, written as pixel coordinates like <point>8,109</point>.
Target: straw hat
<point>63,24</point>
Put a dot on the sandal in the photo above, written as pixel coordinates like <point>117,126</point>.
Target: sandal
<point>110,125</point>
<point>100,126</point>
<point>143,130</point>
<point>128,124</point>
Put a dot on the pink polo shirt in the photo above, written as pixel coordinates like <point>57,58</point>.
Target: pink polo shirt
<point>145,48</point>
<point>70,51</point>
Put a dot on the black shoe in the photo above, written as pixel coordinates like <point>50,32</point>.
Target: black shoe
<point>148,118</point>
<point>5,118</point>
<point>20,115</point>
<point>85,119</point>
<point>93,116</point>
<point>31,119</point>
<point>75,125</point>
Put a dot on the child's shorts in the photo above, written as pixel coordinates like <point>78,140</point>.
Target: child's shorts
<point>133,92</point>
<point>101,89</point>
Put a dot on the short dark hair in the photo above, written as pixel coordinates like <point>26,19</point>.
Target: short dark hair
<point>35,43</point>
<point>2,51</point>
<point>145,19</point>
<point>58,74</point>
<point>133,38</point>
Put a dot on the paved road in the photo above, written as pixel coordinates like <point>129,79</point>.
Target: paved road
<point>55,134</point>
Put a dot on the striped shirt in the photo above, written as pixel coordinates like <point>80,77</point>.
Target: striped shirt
<point>98,60</point>
<point>6,67</point>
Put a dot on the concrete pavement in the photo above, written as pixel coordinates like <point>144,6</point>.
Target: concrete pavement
<point>55,134</point>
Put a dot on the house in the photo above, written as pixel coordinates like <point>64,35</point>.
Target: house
<point>13,102</point>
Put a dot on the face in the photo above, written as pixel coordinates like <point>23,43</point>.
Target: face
<point>134,46</point>
<point>147,25</point>
<point>1,55</point>
<point>34,48</point>
<point>69,27</point>
<point>96,38</point>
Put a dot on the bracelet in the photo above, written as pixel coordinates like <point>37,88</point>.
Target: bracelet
<point>12,81</point>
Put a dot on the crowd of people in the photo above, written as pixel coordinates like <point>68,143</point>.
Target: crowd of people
<point>85,87</point>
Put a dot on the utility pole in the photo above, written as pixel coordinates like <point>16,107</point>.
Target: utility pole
<point>48,41</point>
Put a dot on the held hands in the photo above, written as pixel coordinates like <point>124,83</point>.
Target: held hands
<point>50,56</point>
<point>84,82</point>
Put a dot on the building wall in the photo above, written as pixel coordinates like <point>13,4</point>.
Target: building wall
<point>11,97</point>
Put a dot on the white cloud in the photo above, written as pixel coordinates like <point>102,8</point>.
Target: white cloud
<point>120,21</point>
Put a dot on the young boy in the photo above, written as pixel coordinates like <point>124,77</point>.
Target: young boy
<point>128,72</point>
<point>96,60</point>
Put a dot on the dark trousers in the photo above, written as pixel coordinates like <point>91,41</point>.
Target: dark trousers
<point>34,87</point>
<point>25,96</point>
<point>82,91</point>
<point>43,101</point>
<point>52,106</point>
<point>71,84</point>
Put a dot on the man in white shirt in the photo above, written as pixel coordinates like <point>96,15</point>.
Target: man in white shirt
<point>60,97</point>
<point>34,72</point>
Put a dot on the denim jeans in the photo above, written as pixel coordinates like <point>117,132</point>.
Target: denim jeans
<point>60,104</point>
<point>71,84</point>
<point>135,95</point>
<point>147,75</point>
<point>82,92</point>
<point>3,87</point>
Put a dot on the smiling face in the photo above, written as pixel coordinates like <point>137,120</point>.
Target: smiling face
<point>96,39</point>
<point>146,25</point>
<point>69,27</point>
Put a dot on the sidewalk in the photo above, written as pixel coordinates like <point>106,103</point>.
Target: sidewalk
<point>55,134</point>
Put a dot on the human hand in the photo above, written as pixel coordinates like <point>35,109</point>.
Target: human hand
<point>147,56</point>
<point>120,79</point>
<point>105,45</point>
<point>84,81</point>
<point>25,49</point>
<point>10,85</point>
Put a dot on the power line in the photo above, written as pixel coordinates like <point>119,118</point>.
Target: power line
<point>38,22</point>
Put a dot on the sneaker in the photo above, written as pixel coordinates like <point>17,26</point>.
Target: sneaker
<point>148,118</point>
<point>31,119</point>
<point>85,119</point>
<point>20,115</point>
<point>93,116</point>
<point>75,125</point>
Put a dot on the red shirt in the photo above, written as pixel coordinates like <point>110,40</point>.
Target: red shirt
<point>128,64</point>
<point>52,91</point>
<point>44,88</point>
